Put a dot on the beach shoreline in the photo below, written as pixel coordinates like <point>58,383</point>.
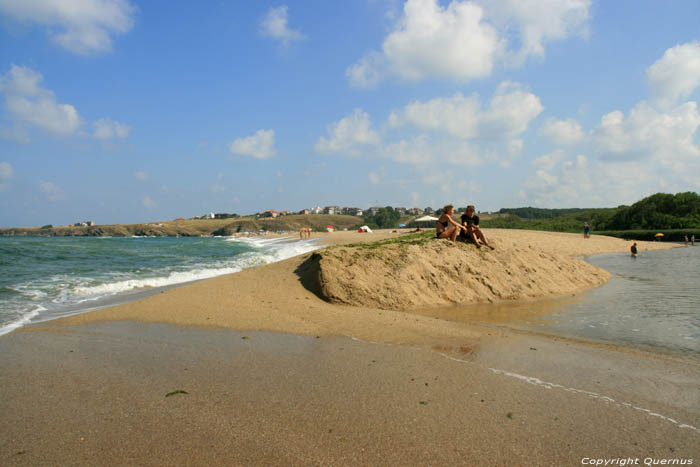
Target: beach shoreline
<point>275,375</point>
<point>273,297</point>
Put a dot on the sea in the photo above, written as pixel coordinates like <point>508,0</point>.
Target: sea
<point>652,301</point>
<point>43,278</point>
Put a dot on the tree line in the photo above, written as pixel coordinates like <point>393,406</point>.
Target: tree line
<point>656,212</point>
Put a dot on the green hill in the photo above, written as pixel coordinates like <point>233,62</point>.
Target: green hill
<point>674,215</point>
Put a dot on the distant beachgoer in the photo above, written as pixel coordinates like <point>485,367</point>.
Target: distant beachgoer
<point>633,249</point>
<point>473,231</point>
<point>442,226</point>
<point>304,232</point>
<point>686,240</point>
<point>586,230</point>
<point>692,240</point>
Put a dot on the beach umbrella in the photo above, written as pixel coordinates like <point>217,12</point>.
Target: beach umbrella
<point>426,219</point>
<point>330,228</point>
<point>659,235</point>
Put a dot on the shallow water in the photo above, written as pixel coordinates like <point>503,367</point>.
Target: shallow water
<point>651,302</point>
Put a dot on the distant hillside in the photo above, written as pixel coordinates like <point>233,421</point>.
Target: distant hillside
<point>193,228</point>
<point>558,222</point>
<point>657,212</point>
<point>540,213</point>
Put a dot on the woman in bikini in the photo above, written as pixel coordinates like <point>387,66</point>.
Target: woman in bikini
<point>442,226</point>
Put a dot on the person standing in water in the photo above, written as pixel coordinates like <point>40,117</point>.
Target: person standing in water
<point>633,249</point>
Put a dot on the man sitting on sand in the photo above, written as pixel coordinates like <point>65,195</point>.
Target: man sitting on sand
<point>472,232</point>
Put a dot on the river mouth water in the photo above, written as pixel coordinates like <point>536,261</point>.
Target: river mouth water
<point>651,302</point>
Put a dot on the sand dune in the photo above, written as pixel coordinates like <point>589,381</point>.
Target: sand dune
<point>397,276</point>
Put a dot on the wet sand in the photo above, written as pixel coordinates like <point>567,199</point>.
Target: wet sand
<point>277,376</point>
<point>97,395</point>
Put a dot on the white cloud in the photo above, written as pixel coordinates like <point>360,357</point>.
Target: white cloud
<point>667,137</point>
<point>508,114</point>
<point>80,26</point>
<point>580,181</point>
<point>433,41</point>
<point>29,104</point>
<point>106,128</point>
<point>510,111</point>
<point>651,148</point>
<point>427,151</point>
<point>6,171</point>
<point>461,131</point>
<point>148,203</point>
<point>218,188</point>
<point>373,178</point>
<point>677,74</point>
<point>549,161</point>
<point>260,145</point>
<point>456,115</point>
<point>52,191</point>
<point>564,132</point>
<point>466,40</point>
<point>348,133</point>
<point>536,22</point>
<point>274,25</point>
<point>561,182</point>
<point>142,176</point>
<point>417,151</point>
<point>456,131</point>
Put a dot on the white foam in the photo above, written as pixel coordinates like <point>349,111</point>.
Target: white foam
<point>112,288</point>
<point>268,251</point>
<point>21,321</point>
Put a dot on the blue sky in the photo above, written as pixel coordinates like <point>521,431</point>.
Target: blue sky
<point>122,112</point>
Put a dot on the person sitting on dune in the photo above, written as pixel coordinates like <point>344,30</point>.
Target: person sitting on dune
<point>442,226</point>
<point>472,231</point>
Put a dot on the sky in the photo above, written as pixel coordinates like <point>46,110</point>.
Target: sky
<point>119,111</point>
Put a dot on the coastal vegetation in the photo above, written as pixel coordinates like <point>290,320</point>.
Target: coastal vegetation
<point>386,218</point>
<point>673,215</point>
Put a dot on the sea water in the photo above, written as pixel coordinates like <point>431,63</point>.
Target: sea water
<point>44,278</point>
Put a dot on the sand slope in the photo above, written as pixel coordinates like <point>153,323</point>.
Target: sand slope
<point>439,272</point>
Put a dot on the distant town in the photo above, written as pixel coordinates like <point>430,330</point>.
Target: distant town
<point>330,210</point>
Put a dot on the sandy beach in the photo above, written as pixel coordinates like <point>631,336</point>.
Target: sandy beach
<point>276,375</point>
